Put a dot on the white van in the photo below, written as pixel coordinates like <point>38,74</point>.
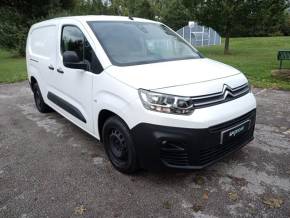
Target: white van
<point>138,87</point>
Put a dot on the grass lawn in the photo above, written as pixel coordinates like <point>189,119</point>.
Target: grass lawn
<point>12,69</point>
<point>256,57</point>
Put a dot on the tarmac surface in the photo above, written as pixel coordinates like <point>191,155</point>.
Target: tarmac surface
<point>51,168</point>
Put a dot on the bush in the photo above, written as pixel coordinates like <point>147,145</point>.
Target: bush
<point>17,18</point>
<point>13,31</point>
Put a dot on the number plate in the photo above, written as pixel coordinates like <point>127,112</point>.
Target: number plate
<point>236,131</point>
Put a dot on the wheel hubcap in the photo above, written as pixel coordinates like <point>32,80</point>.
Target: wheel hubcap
<point>118,145</point>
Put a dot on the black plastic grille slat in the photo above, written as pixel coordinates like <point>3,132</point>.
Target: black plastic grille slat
<point>172,151</point>
<point>177,163</point>
<point>174,158</point>
<point>174,155</point>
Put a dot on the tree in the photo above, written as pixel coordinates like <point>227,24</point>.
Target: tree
<point>120,7</point>
<point>16,17</point>
<point>191,5</point>
<point>31,9</point>
<point>13,31</point>
<point>224,16</point>
<point>144,9</point>
<point>286,25</point>
<point>134,8</point>
<point>158,7</point>
<point>91,7</point>
<point>175,14</point>
<point>239,17</point>
<point>269,17</point>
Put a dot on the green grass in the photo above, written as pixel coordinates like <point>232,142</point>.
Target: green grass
<point>256,57</point>
<point>12,69</point>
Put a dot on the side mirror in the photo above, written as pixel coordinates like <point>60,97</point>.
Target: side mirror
<point>72,60</point>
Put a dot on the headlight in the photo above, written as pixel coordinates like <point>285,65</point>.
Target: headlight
<point>166,103</point>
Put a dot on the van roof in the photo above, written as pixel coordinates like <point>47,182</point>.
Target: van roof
<point>94,18</point>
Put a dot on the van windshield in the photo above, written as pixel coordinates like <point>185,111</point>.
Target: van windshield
<point>131,43</point>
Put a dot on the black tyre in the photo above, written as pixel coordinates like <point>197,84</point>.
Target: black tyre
<point>40,104</point>
<point>119,145</point>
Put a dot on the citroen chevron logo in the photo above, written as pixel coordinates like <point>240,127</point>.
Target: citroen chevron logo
<point>227,90</point>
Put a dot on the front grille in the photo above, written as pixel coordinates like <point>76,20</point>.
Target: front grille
<point>202,147</point>
<point>210,154</point>
<point>214,152</point>
<point>227,94</point>
<point>173,154</point>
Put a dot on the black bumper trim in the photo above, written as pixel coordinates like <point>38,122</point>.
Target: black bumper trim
<point>182,148</point>
<point>212,162</point>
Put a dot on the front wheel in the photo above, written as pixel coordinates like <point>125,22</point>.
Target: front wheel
<point>39,102</point>
<point>119,145</point>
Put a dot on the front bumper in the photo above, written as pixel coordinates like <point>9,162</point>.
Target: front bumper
<point>161,146</point>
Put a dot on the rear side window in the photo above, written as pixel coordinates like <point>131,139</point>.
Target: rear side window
<point>73,39</point>
<point>43,41</point>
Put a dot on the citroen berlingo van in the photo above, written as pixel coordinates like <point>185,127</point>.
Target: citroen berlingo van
<point>150,97</point>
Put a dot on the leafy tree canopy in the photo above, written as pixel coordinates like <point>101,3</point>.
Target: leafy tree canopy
<point>228,17</point>
<point>239,17</point>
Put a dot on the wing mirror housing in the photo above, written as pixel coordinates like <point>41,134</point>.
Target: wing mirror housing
<point>72,60</point>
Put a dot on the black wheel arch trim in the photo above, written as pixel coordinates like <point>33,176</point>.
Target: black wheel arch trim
<point>66,106</point>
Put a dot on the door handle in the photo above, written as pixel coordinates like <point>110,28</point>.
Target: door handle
<point>50,67</point>
<point>59,70</point>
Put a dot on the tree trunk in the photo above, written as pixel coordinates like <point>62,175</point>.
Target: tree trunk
<point>227,45</point>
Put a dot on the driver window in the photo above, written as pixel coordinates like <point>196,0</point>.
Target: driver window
<point>73,39</point>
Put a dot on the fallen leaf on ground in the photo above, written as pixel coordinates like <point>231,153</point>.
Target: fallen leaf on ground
<point>199,180</point>
<point>233,196</point>
<point>273,202</point>
<point>80,210</point>
<point>238,181</point>
<point>166,204</point>
<point>117,214</point>
<point>197,208</point>
<point>205,195</point>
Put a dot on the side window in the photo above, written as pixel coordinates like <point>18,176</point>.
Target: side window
<point>73,39</point>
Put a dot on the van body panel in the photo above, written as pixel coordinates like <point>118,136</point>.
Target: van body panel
<point>41,54</point>
<point>160,75</point>
<point>204,88</point>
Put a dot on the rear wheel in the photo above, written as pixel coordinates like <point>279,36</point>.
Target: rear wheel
<point>39,102</point>
<point>119,145</point>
